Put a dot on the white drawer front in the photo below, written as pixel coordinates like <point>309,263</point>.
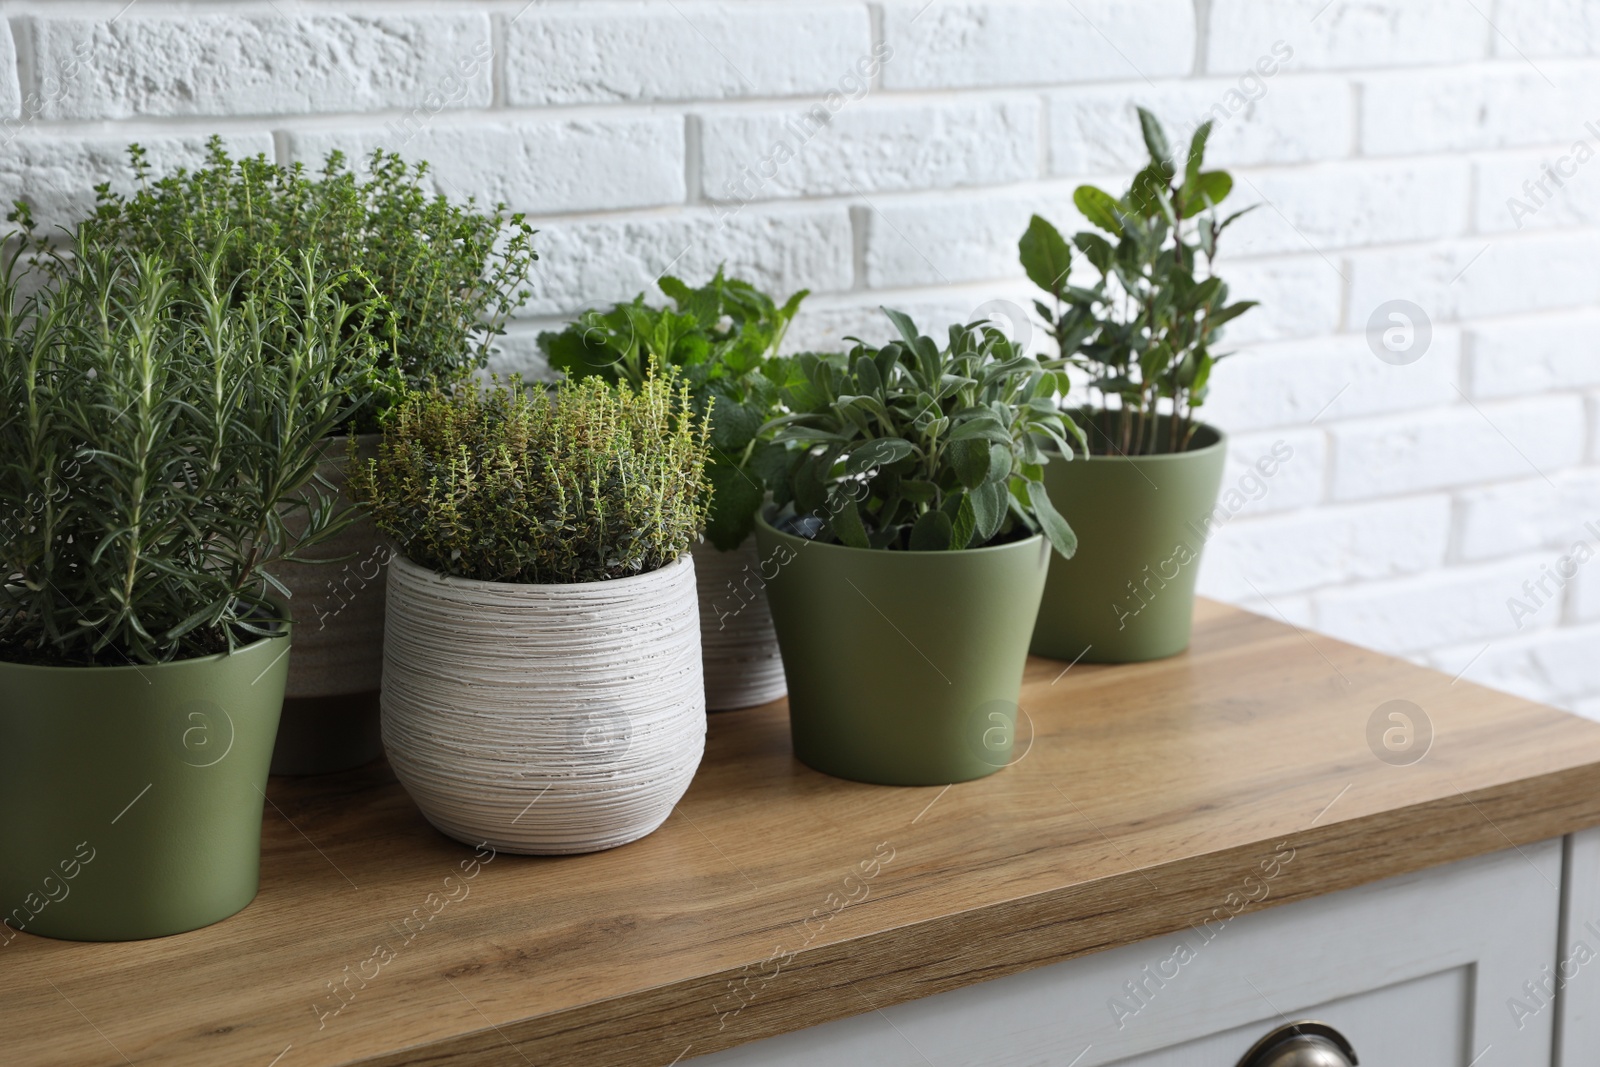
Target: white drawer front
<point>1426,969</point>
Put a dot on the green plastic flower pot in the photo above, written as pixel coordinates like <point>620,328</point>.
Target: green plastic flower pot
<point>1128,593</point>
<point>904,668</point>
<point>132,796</point>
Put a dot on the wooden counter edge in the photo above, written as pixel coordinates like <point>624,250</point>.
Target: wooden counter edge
<point>669,1023</point>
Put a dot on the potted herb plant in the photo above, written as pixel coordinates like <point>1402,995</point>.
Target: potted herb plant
<point>158,455</point>
<point>908,548</point>
<point>723,338</point>
<point>446,276</point>
<point>541,687</point>
<point>1142,329</point>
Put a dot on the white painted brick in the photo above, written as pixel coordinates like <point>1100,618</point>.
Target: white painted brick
<point>1486,105</point>
<point>1583,592</point>
<point>951,44</point>
<point>1296,479</point>
<point>824,323</point>
<point>867,148</point>
<point>601,51</point>
<point>1342,205</point>
<point>1588,707</point>
<point>1548,189</point>
<point>539,166</point>
<point>1448,607</point>
<point>1265,557</point>
<point>1280,119</point>
<point>1455,446</point>
<point>201,64</point>
<point>944,239</point>
<point>1529,515</point>
<point>1327,379</point>
<point>1533,354</point>
<point>1591,407</point>
<point>1547,28</point>
<point>10,87</point>
<point>589,263</point>
<point>1345,33</point>
<point>1547,666</point>
<point>517,351</point>
<point>57,175</point>
<point>1477,277</point>
<point>1299,295</point>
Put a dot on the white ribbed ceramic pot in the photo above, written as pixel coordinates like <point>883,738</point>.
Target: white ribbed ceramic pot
<point>543,719</point>
<point>738,645</point>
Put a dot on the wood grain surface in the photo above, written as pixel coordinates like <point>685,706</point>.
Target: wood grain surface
<point>776,898</point>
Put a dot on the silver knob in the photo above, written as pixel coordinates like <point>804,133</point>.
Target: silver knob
<point>1302,1044</point>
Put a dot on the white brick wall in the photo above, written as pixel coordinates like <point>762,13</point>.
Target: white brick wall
<point>890,151</point>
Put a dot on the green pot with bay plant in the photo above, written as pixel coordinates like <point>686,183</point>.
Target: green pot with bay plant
<point>906,551</point>
<point>541,686</point>
<point>436,280</point>
<point>1142,331</point>
<point>723,339</point>
<point>155,460</point>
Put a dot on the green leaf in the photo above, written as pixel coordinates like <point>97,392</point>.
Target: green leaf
<point>970,459</point>
<point>1099,207</point>
<point>965,523</point>
<point>878,453</point>
<point>932,532</point>
<point>1154,139</point>
<point>735,499</point>
<point>1046,256</point>
<point>734,425</point>
<point>1197,152</point>
<point>1056,530</point>
<point>847,527</point>
<point>989,502</point>
<point>903,324</point>
<point>1213,186</point>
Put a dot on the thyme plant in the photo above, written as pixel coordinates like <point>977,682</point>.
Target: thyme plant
<point>723,337</point>
<point>159,440</point>
<point>910,446</point>
<point>589,483</point>
<point>1144,329</point>
<point>448,274</point>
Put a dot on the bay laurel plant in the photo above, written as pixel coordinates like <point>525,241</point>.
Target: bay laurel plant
<point>584,484</point>
<point>1144,327</point>
<point>159,444</point>
<point>448,275</point>
<point>723,338</point>
<point>912,447</point>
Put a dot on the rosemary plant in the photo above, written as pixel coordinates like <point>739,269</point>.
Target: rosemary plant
<point>588,483</point>
<point>158,448</point>
<point>1144,330</point>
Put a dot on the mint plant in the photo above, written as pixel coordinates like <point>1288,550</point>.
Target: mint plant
<point>914,447</point>
<point>723,338</point>
<point>1145,328</point>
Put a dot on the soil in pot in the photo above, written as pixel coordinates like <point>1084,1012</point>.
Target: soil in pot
<point>133,795</point>
<point>1142,521</point>
<point>544,719</point>
<point>738,646</point>
<point>904,668</point>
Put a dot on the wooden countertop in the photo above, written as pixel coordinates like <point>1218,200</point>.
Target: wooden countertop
<point>1149,795</point>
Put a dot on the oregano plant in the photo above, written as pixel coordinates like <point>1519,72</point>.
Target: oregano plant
<point>723,339</point>
<point>1143,326</point>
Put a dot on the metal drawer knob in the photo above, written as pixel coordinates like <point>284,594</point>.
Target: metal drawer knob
<point>1302,1044</point>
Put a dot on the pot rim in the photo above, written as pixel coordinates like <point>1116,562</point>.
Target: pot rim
<point>761,521</point>
<point>1160,457</point>
<point>135,668</point>
<point>685,558</point>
